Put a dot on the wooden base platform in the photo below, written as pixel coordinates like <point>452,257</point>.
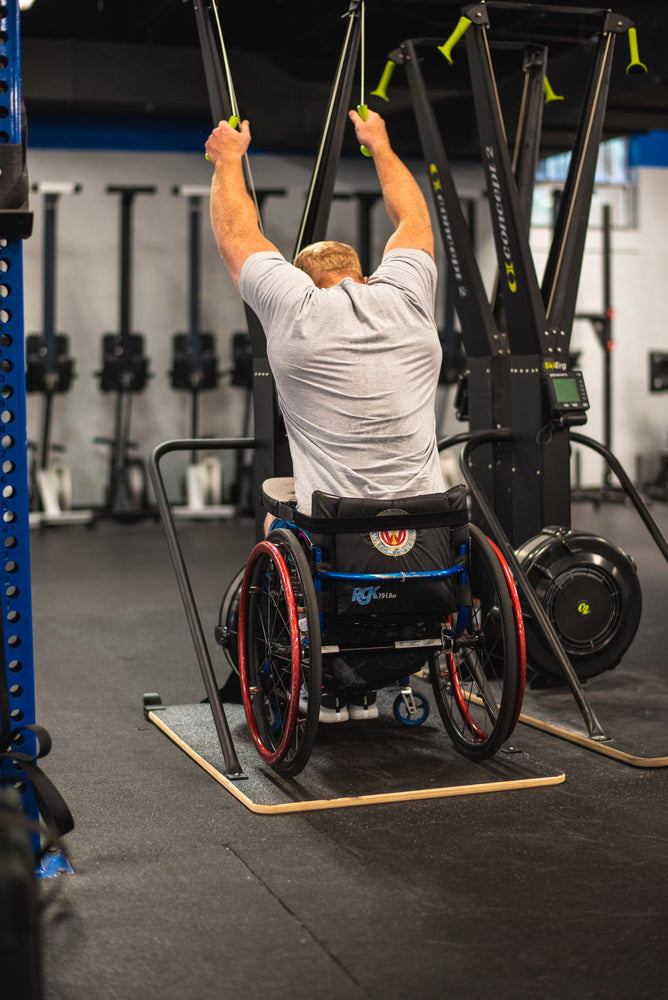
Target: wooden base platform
<point>353,763</point>
<point>630,707</point>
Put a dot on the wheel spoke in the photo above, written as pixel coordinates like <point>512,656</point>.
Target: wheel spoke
<point>476,688</point>
<point>279,658</point>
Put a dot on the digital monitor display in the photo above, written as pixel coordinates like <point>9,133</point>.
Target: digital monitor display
<point>566,390</point>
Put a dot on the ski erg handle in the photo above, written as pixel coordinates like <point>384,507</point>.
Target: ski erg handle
<point>635,66</point>
<point>363,112</point>
<point>549,92</point>
<point>383,83</point>
<point>463,24</point>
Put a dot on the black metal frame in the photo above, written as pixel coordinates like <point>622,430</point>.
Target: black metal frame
<point>473,440</point>
<point>315,217</point>
<point>232,766</point>
<point>520,480</point>
<point>527,330</point>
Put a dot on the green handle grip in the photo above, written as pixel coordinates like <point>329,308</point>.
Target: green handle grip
<point>381,89</point>
<point>363,112</point>
<point>549,93</point>
<point>462,26</point>
<point>635,66</point>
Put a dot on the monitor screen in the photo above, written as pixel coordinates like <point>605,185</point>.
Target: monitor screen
<point>566,390</point>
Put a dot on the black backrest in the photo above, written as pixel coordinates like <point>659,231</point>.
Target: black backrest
<point>386,550</point>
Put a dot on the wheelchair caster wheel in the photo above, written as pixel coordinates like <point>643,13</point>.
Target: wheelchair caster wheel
<point>410,709</point>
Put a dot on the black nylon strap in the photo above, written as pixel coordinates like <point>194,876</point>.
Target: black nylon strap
<point>10,817</point>
<point>52,806</point>
<point>349,525</point>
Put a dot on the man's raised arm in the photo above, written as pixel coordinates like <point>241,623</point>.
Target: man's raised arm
<point>233,215</point>
<point>403,198</point>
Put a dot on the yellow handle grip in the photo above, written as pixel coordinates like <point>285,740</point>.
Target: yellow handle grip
<point>549,93</point>
<point>363,112</point>
<point>381,89</point>
<point>635,66</point>
<point>462,26</point>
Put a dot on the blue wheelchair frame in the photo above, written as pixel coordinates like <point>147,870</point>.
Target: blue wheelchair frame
<point>437,574</point>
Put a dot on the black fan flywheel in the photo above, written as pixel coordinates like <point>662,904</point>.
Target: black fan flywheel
<point>590,591</point>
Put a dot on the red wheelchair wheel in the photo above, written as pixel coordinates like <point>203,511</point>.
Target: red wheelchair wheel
<point>478,682</point>
<point>280,664</point>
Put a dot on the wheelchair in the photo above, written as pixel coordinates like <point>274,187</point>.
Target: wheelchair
<point>361,595</point>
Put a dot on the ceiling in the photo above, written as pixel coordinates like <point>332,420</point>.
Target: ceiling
<point>141,59</point>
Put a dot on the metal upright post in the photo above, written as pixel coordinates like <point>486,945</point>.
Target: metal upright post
<point>18,743</point>
<point>15,225</point>
<point>607,342</point>
<point>487,353</point>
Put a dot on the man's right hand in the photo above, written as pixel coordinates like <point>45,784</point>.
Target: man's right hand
<point>371,131</point>
<point>227,143</point>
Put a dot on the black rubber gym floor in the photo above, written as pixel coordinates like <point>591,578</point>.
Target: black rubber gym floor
<point>180,892</point>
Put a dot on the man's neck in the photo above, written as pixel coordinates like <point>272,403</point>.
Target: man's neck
<point>328,279</point>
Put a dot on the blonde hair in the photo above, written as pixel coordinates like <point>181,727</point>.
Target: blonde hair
<point>331,257</point>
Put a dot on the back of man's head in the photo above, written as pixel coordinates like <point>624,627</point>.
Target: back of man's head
<point>329,260</point>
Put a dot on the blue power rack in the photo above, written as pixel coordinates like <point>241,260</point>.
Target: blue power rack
<point>15,596</point>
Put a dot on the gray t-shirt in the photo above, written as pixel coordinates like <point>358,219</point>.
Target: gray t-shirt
<point>356,369</point>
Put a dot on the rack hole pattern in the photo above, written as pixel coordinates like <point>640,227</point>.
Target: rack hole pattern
<point>15,593</point>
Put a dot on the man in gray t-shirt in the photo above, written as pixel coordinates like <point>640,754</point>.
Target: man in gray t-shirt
<point>356,368</point>
<point>355,360</point>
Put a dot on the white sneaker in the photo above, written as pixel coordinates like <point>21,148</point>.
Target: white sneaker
<point>363,706</point>
<point>333,708</point>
